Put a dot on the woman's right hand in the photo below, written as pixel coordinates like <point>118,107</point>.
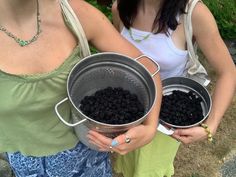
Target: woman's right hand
<point>134,138</point>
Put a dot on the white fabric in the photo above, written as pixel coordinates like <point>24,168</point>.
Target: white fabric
<point>161,48</point>
<point>76,27</point>
<point>195,69</point>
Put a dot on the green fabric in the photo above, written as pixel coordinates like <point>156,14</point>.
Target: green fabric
<point>28,122</point>
<point>153,160</point>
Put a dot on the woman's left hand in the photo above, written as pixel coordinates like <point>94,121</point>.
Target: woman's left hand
<point>190,135</point>
<point>124,143</point>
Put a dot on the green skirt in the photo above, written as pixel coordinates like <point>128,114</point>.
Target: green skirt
<point>153,160</point>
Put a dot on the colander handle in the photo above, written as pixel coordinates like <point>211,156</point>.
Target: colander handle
<point>157,65</point>
<point>60,117</point>
<point>165,130</point>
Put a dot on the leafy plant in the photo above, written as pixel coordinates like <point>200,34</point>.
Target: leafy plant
<point>224,12</point>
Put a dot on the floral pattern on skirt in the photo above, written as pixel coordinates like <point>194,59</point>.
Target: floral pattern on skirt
<point>77,162</point>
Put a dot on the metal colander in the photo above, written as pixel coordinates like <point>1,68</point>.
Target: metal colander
<point>91,78</point>
<point>100,71</point>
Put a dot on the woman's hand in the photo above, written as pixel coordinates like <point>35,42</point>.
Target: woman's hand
<point>134,138</point>
<point>190,135</point>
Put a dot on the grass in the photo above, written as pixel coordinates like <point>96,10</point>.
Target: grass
<point>195,175</point>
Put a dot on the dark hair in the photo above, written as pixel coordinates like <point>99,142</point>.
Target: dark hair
<point>165,18</point>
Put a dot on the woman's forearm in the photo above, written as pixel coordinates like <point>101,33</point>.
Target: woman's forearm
<point>222,97</point>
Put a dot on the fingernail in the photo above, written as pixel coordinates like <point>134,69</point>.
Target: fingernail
<point>114,143</point>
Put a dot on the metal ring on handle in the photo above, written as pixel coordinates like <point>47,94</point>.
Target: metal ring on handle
<point>59,116</point>
<point>158,66</point>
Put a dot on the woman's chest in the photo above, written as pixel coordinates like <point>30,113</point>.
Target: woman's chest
<point>163,50</point>
<point>146,24</point>
<point>42,56</point>
<point>33,60</point>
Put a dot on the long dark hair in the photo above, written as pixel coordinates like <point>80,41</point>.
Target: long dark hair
<point>165,18</point>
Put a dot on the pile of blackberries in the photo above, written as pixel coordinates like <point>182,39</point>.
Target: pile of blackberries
<point>181,108</point>
<point>112,106</point>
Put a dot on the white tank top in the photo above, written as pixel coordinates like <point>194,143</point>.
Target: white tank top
<point>161,48</point>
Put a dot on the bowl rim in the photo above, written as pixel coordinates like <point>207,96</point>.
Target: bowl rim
<point>201,86</point>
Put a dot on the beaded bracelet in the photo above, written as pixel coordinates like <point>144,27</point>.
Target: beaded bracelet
<point>209,135</point>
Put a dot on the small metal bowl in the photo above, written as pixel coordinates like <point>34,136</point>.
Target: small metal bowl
<point>185,84</point>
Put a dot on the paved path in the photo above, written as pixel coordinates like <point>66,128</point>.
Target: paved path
<point>232,49</point>
<point>228,169</point>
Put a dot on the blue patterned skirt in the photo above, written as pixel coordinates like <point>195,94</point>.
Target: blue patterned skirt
<point>77,162</point>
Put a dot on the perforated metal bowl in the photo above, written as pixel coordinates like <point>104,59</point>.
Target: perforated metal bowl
<point>100,71</point>
<point>185,84</point>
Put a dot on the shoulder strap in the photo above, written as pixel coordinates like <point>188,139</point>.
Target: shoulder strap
<point>189,35</point>
<point>76,26</point>
<point>195,66</point>
<point>188,20</point>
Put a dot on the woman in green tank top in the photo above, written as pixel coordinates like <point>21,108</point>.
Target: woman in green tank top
<point>38,50</point>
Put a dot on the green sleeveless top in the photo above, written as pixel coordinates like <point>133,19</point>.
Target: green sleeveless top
<point>28,122</point>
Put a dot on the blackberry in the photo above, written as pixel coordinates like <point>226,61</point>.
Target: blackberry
<point>112,106</point>
<point>181,108</point>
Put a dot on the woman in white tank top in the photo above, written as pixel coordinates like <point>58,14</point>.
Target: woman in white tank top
<point>155,27</point>
<point>161,48</point>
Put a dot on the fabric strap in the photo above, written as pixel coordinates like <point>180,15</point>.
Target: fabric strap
<point>76,27</point>
<point>195,68</point>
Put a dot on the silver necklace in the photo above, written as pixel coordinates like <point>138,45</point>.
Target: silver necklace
<point>22,42</point>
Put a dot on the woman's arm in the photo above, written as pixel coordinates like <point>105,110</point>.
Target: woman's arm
<point>207,36</point>
<point>210,42</point>
<point>101,34</point>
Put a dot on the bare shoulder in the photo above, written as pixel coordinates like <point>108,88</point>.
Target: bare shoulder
<point>89,16</point>
<point>81,6</point>
<point>85,11</point>
<point>202,19</point>
<point>201,12</point>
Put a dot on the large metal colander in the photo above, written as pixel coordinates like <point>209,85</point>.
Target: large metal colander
<point>89,78</point>
<point>100,71</point>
